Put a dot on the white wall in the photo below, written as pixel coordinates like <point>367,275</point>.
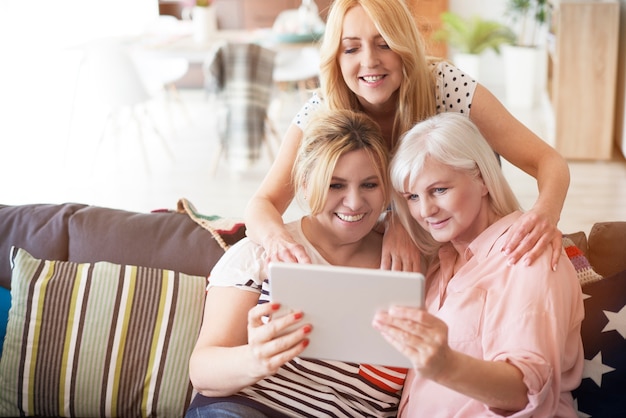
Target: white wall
<point>40,64</point>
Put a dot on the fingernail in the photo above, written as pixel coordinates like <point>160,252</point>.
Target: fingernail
<point>509,262</point>
<point>275,306</point>
<point>307,329</point>
<point>554,267</point>
<point>305,343</point>
<point>297,315</point>
<point>506,251</point>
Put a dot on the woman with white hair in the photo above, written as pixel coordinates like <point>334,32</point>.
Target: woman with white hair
<point>494,338</point>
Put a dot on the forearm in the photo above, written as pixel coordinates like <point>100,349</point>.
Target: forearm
<point>221,371</point>
<point>527,151</point>
<point>497,384</point>
<point>553,179</point>
<point>263,213</point>
<point>262,220</point>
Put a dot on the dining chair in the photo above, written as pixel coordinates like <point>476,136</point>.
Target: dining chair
<point>295,68</point>
<point>240,77</point>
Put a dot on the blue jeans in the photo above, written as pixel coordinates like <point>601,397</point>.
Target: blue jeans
<point>225,410</point>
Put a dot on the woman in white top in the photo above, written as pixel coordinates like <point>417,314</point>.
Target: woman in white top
<point>241,363</point>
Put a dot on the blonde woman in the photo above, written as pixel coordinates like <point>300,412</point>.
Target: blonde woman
<point>373,61</point>
<point>243,365</point>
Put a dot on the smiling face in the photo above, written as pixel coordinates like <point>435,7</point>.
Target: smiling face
<point>450,204</point>
<point>369,67</point>
<point>354,202</point>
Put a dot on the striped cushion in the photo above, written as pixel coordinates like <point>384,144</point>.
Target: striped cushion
<point>98,339</point>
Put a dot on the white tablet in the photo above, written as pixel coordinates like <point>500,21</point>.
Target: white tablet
<point>340,303</point>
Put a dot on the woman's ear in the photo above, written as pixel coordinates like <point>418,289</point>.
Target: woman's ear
<point>484,189</point>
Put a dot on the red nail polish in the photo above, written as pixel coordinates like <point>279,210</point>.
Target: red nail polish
<point>275,306</point>
<point>305,343</point>
<point>297,315</point>
<point>307,329</point>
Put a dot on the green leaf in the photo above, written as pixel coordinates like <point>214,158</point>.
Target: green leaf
<point>474,35</point>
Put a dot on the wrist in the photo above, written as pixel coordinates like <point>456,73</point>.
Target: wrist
<point>550,211</point>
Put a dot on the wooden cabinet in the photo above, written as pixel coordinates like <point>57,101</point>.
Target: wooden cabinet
<point>427,16</point>
<point>582,76</point>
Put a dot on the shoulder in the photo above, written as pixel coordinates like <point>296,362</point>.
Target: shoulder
<point>454,88</point>
<point>537,279</point>
<point>312,105</point>
<point>443,69</point>
<point>242,265</point>
<point>295,230</point>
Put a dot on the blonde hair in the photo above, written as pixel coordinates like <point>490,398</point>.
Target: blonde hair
<point>454,140</point>
<point>392,18</point>
<point>328,136</point>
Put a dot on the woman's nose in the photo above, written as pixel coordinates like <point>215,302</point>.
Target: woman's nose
<point>353,199</point>
<point>369,58</point>
<point>427,208</point>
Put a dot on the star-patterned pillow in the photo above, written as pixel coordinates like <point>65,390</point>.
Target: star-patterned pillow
<point>601,392</point>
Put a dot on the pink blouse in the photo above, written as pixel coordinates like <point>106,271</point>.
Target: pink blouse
<point>529,316</point>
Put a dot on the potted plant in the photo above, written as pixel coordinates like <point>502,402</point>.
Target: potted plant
<point>470,37</point>
<point>525,61</point>
<point>530,16</point>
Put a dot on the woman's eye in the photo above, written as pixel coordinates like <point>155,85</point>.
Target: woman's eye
<point>440,190</point>
<point>350,50</point>
<point>370,185</point>
<point>412,197</point>
<point>384,46</point>
<point>336,186</point>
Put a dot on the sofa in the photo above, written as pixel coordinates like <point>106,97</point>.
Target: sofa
<point>97,336</point>
<point>106,305</point>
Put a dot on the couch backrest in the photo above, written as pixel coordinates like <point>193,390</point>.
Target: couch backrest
<point>80,233</point>
<point>40,229</point>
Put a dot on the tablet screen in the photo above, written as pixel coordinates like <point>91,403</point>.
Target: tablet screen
<point>340,303</point>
